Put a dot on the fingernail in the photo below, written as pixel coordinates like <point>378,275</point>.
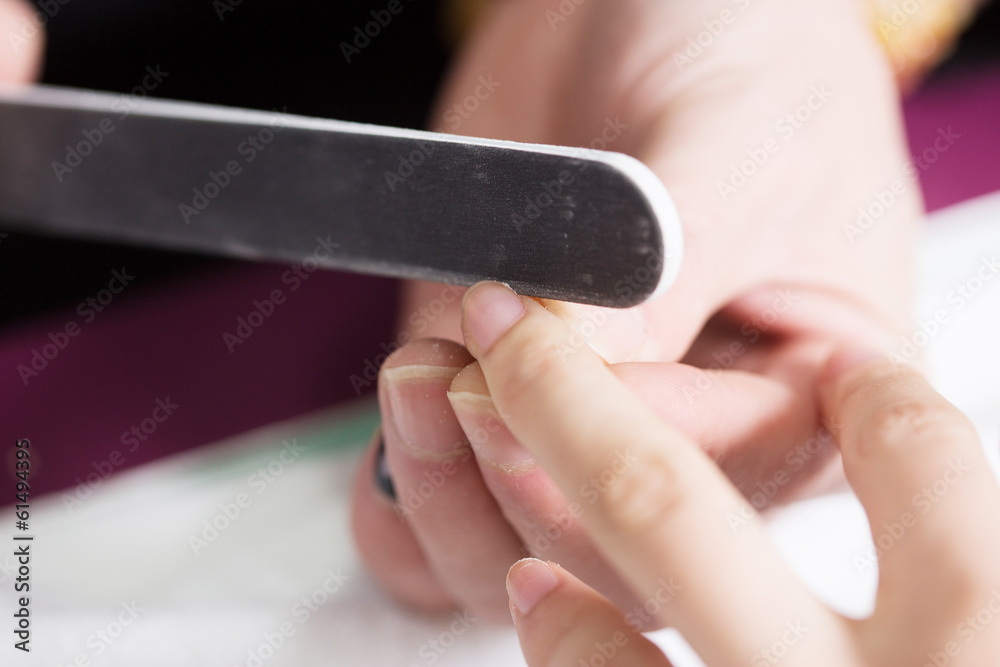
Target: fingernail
<point>490,310</point>
<point>493,443</point>
<point>417,413</point>
<point>529,581</point>
<point>383,478</point>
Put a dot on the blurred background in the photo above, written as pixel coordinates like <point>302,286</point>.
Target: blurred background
<point>160,340</point>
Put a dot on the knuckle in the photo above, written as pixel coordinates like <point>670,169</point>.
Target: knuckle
<point>533,362</point>
<point>908,421</point>
<point>644,498</point>
<point>881,382</point>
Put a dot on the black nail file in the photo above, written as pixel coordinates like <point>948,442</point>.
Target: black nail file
<point>563,223</point>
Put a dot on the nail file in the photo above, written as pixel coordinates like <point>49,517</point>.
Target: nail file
<point>562,223</point>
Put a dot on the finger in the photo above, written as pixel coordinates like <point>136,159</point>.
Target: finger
<point>388,547</point>
<point>440,493</point>
<point>562,621</point>
<point>618,335</point>
<point>661,506</point>
<point>760,429</point>
<point>19,26</point>
<point>918,468</point>
<point>431,310</point>
<point>546,522</point>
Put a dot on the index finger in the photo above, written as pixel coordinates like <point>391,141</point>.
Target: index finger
<point>654,503</point>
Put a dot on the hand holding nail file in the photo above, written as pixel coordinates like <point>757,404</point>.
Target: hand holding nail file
<point>561,223</point>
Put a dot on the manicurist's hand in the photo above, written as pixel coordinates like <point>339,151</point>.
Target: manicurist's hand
<point>663,516</point>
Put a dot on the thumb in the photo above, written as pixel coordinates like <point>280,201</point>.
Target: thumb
<point>661,329</point>
<point>562,621</point>
<point>24,34</point>
<point>664,327</point>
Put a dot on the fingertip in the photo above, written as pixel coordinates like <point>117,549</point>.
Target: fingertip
<point>529,581</point>
<point>470,379</point>
<point>489,309</point>
<point>562,621</point>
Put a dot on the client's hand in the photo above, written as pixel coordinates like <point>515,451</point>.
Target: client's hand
<point>663,514</point>
<point>775,126</point>
<point>770,133</point>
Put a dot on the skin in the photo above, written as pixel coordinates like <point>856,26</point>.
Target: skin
<point>21,64</point>
<point>773,280</point>
<point>664,517</point>
<point>564,416</point>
